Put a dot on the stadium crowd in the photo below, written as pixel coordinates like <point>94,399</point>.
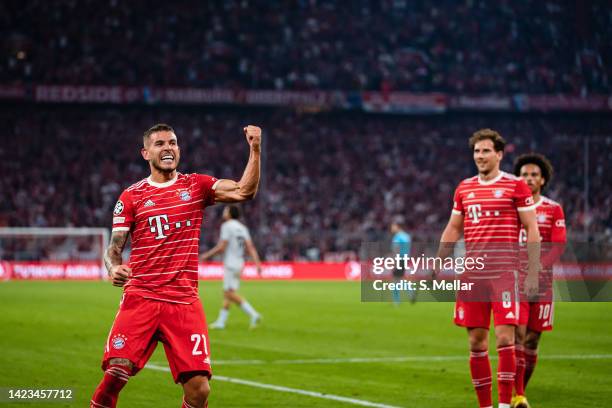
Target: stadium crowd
<point>468,47</point>
<point>330,180</point>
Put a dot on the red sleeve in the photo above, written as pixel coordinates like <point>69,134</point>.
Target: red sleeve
<point>558,233</point>
<point>207,184</point>
<point>123,213</point>
<point>522,196</point>
<point>557,237</point>
<point>457,202</point>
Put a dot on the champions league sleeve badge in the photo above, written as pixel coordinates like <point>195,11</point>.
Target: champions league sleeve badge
<point>118,208</point>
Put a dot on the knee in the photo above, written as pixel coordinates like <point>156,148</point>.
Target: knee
<point>479,343</point>
<point>531,340</point>
<point>197,391</point>
<point>118,373</point>
<point>519,337</point>
<point>505,339</point>
<point>504,335</point>
<point>121,362</point>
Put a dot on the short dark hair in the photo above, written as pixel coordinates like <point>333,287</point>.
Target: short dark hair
<point>159,127</point>
<point>483,134</point>
<point>234,211</point>
<point>539,160</point>
<point>398,220</point>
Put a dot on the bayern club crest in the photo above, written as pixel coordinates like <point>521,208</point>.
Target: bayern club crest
<point>118,341</point>
<point>498,193</point>
<point>541,218</point>
<point>184,195</point>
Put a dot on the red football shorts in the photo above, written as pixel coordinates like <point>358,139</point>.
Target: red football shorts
<point>537,316</point>
<point>500,296</point>
<point>140,323</point>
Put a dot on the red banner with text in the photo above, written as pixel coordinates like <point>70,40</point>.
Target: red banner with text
<point>91,270</point>
<point>209,271</point>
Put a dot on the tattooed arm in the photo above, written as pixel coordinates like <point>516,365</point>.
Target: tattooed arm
<point>117,271</point>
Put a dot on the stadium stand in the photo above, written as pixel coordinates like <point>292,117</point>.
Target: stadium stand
<point>469,47</point>
<point>331,180</point>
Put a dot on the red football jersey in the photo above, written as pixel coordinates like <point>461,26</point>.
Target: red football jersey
<point>489,208</point>
<point>490,216</point>
<point>164,221</point>
<point>551,223</point>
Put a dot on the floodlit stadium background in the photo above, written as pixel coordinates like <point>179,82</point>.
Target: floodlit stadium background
<point>366,111</point>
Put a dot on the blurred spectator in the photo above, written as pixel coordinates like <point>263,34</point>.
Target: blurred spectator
<point>330,181</point>
<point>465,47</point>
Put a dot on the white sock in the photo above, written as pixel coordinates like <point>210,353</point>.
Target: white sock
<point>504,405</point>
<point>248,309</point>
<point>223,315</point>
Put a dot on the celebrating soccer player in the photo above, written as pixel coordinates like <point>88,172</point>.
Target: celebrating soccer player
<point>536,317</point>
<point>488,209</point>
<point>235,239</point>
<point>163,213</point>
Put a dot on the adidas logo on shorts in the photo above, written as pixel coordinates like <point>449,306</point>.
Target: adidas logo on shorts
<point>149,203</point>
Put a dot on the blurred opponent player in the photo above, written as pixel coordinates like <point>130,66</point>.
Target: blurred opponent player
<point>400,245</point>
<point>163,213</point>
<point>235,238</point>
<point>536,317</point>
<point>489,208</point>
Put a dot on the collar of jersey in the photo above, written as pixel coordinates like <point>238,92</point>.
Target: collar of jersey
<point>492,181</point>
<point>161,185</point>
<point>540,201</point>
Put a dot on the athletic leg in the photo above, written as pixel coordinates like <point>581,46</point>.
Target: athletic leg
<point>532,340</point>
<point>506,368</point>
<point>130,343</point>
<point>195,390</point>
<point>115,377</point>
<point>480,367</point>
<point>519,380</point>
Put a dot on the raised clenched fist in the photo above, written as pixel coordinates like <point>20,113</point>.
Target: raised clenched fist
<point>253,136</point>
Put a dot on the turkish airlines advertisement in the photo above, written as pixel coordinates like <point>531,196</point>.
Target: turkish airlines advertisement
<point>209,271</point>
<point>92,270</point>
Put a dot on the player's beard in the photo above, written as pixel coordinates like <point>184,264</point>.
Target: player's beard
<point>157,165</point>
<point>485,169</point>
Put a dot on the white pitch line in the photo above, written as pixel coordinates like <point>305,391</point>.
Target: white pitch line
<point>341,360</point>
<point>399,359</point>
<point>314,394</point>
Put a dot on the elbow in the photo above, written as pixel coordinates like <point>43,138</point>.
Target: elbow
<point>247,192</point>
<point>248,195</point>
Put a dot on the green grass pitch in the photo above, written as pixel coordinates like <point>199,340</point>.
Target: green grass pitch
<point>53,333</point>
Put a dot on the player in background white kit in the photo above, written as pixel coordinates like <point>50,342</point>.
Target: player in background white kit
<point>235,238</point>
